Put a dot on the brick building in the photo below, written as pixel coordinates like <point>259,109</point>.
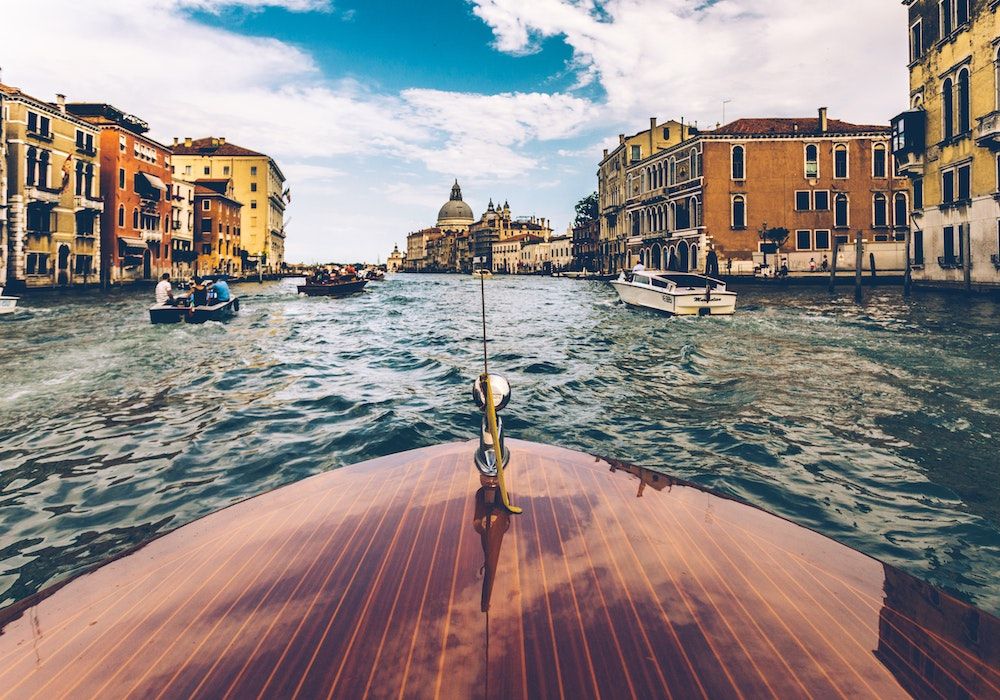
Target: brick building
<point>217,236</point>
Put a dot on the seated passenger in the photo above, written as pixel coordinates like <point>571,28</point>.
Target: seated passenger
<point>221,289</point>
<point>199,292</point>
<point>165,292</point>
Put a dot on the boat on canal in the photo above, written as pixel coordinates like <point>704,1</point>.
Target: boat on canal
<point>335,288</point>
<point>676,293</point>
<point>496,568</point>
<point>217,311</point>
<point>482,274</point>
<point>8,304</point>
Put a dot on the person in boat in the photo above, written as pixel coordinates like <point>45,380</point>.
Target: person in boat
<point>221,290</point>
<point>198,294</point>
<point>165,291</point>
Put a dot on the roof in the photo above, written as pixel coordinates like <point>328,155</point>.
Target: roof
<point>212,146</point>
<point>616,581</point>
<point>53,109</point>
<point>790,126</point>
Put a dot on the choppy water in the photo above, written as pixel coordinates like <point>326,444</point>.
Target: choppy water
<point>876,425</point>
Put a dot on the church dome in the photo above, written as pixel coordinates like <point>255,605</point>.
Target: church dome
<point>455,211</point>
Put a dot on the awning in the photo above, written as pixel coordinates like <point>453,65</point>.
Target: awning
<point>153,181</point>
<point>136,244</point>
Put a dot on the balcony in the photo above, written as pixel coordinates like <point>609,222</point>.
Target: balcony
<point>83,150</point>
<point>40,135</point>
<point>151,235</point>
<point>995,259</point>
<point>91,202</point>
<point>950,262</point>
<point>988,130</point>
<point>38,193</point>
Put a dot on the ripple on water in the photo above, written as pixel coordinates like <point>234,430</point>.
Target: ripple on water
<point>872,424</point>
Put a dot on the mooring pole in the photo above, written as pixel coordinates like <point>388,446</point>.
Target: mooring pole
<point>871,264</point>
<point>906,269</point>
<point>833,266</point>
<point>967,256</point>
<point>858,255</point>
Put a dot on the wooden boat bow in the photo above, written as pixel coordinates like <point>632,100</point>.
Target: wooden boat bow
<point>369,581</point>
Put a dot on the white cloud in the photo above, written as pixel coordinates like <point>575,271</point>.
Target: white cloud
<point>771,57</point>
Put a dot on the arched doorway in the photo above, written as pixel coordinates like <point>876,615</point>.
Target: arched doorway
<point>63,265</point>
<point>642,257</point>
<point>655,260</point>
<point>682,256</point>
<point>672,259</point>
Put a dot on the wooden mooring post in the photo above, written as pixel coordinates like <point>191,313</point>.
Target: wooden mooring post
<point>967,256</point>
<point>833,266</point>
<point>858,257</point>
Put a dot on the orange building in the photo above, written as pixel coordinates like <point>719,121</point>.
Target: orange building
<point>820,178</point>
<point>135,184</point>
<point>217,227</point>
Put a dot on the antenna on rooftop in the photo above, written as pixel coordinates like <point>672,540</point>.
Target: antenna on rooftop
<point>724,103</point>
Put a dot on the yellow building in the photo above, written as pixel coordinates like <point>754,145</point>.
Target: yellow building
<point>396,260</point>
<point>948,142</point>
<point>611,184</point>
<point>54,205</point>
<point>258,184</point>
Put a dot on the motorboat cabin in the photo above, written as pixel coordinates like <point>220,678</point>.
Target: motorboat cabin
<point>676,293</point>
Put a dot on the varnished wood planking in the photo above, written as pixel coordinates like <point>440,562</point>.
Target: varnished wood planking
<point>369,581</point>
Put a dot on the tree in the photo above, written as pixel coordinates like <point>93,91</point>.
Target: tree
<point>586,210</point>
<point>777,237</point>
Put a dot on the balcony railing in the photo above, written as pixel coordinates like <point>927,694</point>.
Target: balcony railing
<point>40,135</point>
<point>86,150</point>
<point>950,262</point>
<point>151,234</point>
<point>988,130</point>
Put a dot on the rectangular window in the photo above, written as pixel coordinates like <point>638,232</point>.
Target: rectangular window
<point>253,203</point>
<point>206,204</point>
<point>225,169</point>
<point>944,11</point>
<point>803,240</point>
<point>253,186</point>
<point>964,182</point>
<point>32,122</point>
<point>840,164</point>
<point>949,242</point>
<point>636,153</point>
<point>206,248</point>
<point>918,194</point>
<point>802,200</point>
<point>206,225</point>
<point>187,169</point>
<point>79,139</point>
<point>208,170</point>
<point>878,161</point>
<point>916,41</point>
<point>918,247</point>
<point>253,171</point>
<point>121,178</point>
<point>821,200</point>
<point>822,240</point>
<point>948,186</point>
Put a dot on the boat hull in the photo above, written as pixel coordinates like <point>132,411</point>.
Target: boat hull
<point>375,580</point>
<point>159,313</point>
<point>8,305</point>
<point>693,303</point>
<point>332,290</point>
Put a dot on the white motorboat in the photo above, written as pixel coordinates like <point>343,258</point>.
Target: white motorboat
<point>484,273</point>
<point>676,293</point>
<point>7,304</point>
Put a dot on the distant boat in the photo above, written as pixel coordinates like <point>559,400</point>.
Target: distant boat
<point>484,274</point>
<point>332,289</point>
<point>7,304</point>
<point>676,293</point>
<point>164,313</point>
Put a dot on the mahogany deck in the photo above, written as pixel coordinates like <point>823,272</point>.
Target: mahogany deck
<point>369,580</point>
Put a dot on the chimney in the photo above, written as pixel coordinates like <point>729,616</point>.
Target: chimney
<point>605,153</point>
<point>621,138</point>
<point>652,136</point>
<point>824,123</point>
<point>222,140</point>
<point>61,102</point>
<point>176,141</point>
<point>188,142</point>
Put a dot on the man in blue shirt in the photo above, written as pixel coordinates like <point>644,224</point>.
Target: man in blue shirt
<point>221,289</point>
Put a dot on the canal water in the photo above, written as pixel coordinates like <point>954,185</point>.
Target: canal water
<point>875,424</point>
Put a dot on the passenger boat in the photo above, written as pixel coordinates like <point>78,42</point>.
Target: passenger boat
<point>219,311</point>
<point>8,305</point>
<point>676,293</point>
<point>495,568</point>
<point>482,274</point>
<point>332,289</point>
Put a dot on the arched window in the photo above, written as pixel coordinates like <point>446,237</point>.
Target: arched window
<point>879,212</point>
<point>841,166</point>
<point>841,218</point>
<point>121,216</point>
<point>948,108</point>
<point>738,157</point>
<point>135,219</point>
<point>693,158</point>
<point>879,160</point>
<point>43,168</point>
<point>739,212</point>
<point>90,180</point>
<point>693,211</point>
<point>964,105</point>
<point>673,171</point>
<point>901,210</point>
<point>812,160</point>
<point>32,169</point>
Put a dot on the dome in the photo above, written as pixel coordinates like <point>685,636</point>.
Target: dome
<point>455,211</point>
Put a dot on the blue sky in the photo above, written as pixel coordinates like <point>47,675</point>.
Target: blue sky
<point>373,108</point>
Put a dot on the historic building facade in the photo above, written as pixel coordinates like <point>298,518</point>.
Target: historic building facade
<point>395,261</point>
<point>258,184</point>
<point>53,200</point>
<point>135,184</point>
<point>819,178</point>
<point>948,142</point>
<point>586,242</point>
<point>217,227</point>
<point>4,246</point>
<point>183,254</point>
<point>613,227</point>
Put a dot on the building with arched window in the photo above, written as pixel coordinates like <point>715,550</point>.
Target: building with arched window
<point>50,228</point>
<point>820,178</point>
<point>948,143</point>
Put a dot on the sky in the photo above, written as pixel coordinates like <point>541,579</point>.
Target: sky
<point>372,108</point>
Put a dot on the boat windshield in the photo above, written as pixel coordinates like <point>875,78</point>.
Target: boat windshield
<point>682,280</point>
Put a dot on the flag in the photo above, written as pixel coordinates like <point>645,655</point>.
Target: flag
<point>287,194</point>
<point>67,169</point>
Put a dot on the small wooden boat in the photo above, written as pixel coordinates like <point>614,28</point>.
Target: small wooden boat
<point>219,311</point>
<point>8,305</point>
<point>332,289</point>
